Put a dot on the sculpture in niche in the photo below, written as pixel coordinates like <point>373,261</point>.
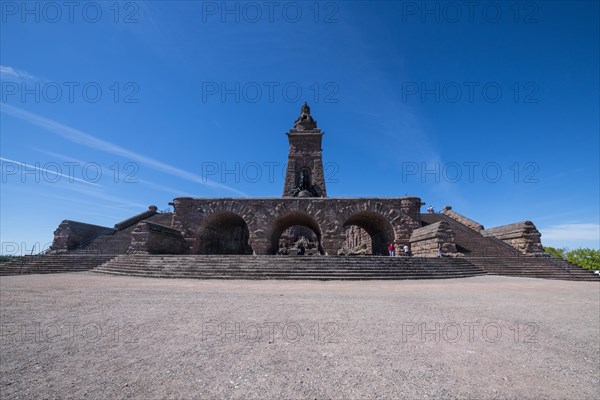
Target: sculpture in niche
<point>304,188</point>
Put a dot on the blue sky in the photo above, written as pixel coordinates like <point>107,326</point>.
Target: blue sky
<point>491,107</point>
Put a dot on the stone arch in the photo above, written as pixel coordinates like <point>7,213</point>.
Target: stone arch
<point>377,226</point>
<point>289,219</point>
<point>223,232</point>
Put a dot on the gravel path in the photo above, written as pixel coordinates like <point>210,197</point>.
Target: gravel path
<point>85,335</point>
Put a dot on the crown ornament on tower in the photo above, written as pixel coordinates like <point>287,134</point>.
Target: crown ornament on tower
<point>305,121</point>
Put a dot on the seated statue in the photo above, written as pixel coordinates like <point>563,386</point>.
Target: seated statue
<point>304,186</point>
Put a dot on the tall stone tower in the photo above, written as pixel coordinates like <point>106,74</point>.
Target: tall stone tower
<point>304,176</point>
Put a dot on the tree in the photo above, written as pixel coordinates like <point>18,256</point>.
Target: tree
<point>554,252</point>
<point>585,258</point>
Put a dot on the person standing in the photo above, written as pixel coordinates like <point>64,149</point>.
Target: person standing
<point>406,250</point>
<point>391,249</point>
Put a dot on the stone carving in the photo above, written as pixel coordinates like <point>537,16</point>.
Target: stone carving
<point>304,188</point>
<point>305,121</point>
<point>358,242</point>
<point>304,184</point>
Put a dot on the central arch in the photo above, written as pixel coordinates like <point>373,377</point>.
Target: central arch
<point>294,218</point>
<point>378,228</point>
<point>223,233</point>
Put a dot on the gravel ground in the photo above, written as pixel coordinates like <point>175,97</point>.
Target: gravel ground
<point>85,335</point>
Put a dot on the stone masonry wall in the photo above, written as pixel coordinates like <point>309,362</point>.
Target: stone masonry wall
<point>389,219</point>
<point>70,234</point>
<point>424,242</point>
<point>151,238</point>
<point>476,226</point>
<point>152,210</point>
<point>523,236</point>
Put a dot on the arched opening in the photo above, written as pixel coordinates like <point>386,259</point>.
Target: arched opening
<point>223,233</point>
<point>295,229</point>
<point>379,231</point>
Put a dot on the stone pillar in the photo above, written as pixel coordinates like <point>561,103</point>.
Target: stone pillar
<point>409,220</point>
<point>260,246</point>
<point>331,243</point>
<point>258,238</point>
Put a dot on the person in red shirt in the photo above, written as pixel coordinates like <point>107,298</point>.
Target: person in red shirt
<point>391,249</point>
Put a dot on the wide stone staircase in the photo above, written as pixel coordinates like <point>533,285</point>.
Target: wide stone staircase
<point>90,254</point>
<point>288,267</point>
<point>498,258</point>
<point>117,242</point>
<point>533,267</point>
<point>470,242</point>
<point>52,263</point>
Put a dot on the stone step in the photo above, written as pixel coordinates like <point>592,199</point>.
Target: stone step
<point>316,275</point>
<point>472,241</point>
<point>118,242</point>
<point>280,267</point>
<point>51,263</point>
<point>267,267</point>
<point>285,272</point>
<point>288,267</point>
<point>533,267</point>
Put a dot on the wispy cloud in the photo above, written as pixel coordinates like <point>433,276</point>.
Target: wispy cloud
<point>100,194</point>
<point>123,208</point>
<point>570,232</point>
<point>153,185</point>
<point>7,72</point>
<point>61,156</point>
<point>98,201</point>
<point>165,189</point>
<point>47,171</point>
<point>85,139</point>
